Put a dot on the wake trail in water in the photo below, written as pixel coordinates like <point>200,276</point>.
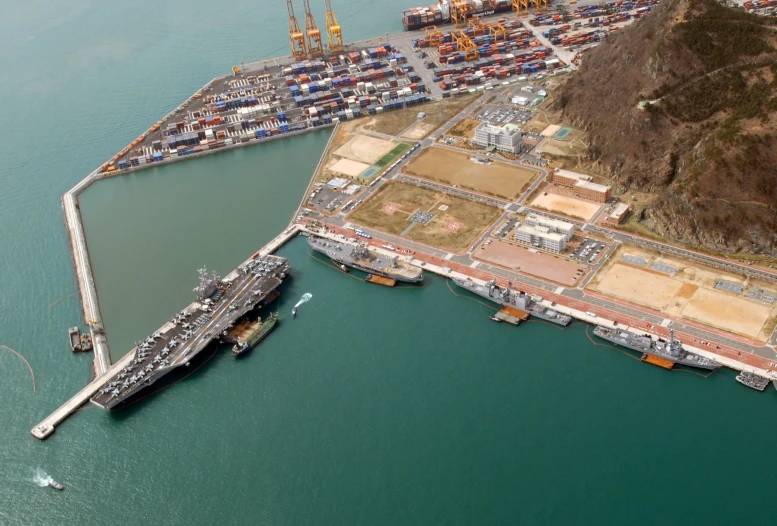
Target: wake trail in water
<point>304,299</point>
<point>41,478</point>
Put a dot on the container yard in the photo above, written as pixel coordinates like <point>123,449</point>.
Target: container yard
<point>322,85</point>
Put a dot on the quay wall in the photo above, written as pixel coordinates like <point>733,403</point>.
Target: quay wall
<point>574,313</point>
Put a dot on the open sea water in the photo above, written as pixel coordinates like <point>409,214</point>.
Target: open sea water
<point>374,406</point>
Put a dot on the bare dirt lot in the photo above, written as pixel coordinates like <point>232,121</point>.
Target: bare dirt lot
<point>348,167</point>
<point>464,128</point>
<point>394,122</point>
<point>454,228</point>
<point>727,312</point>
<point>570,206</point>
<point>420,130</point>
<point>540,264</point>
<point>638,286</point>
<point>365,149</point>
<point>499,179</point>
<point>690,293</point>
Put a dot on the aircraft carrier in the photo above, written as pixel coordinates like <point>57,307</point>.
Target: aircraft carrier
<point>516,299</point>
<point>219,303</point>
<point>361,258</point>
<point>672,350</point>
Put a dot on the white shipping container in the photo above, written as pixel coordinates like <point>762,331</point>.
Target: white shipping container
<point>360,86</point>
<point>393,62</point>
<point>379,109</point>
<point>335,120</point>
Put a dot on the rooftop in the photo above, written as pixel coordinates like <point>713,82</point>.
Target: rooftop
<point>621,209</point>
<point>541,231</point>
<point>557,223</point>
<point>592,186</point>
<point>573,175</point>
<point>496,130</point>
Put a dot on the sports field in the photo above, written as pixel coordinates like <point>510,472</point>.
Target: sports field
<point>569,206</point>
<point>455,168</point>
<point>454,226</point>
<point>365,149</point>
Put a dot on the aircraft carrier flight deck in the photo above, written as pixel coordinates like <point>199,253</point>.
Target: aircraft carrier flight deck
<point>220,302</point>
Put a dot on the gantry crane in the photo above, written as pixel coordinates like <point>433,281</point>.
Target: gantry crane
<point>333,32</point>
<point>477,26</point>
<point>464,43</point>
<point>499,32</point>
<point>433,36</point>
<point>459,12</point>
<point>521,6</point>
<point>296,37</point>
<point>315,47</point>
<point>540,6</point>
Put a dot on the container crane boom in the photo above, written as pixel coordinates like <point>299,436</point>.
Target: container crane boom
<point>315,47</point>
<point>333,32</point>
<point>296,37</point>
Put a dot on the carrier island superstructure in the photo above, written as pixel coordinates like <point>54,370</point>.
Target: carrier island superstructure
<point>220,302</point>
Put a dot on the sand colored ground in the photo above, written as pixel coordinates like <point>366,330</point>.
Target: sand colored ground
<point>540,264</point>
<point>640,287</point>
<point>455,168</point>
<point>727,312</point>
<point>550,130</point>
<point>365,149</point>
<point>472,218</point>
<point>567,205</point>
<point>349,167</point>
<point>464,128</point>
<point>420,130</point>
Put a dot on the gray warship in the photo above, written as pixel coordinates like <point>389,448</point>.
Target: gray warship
<point>672,350</point>
<point>516,299</point>
<point>361,258</point>
<point>752,380</point>
<point>220,302</point>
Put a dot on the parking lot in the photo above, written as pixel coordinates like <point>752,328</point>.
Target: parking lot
<point>328,200</point>
<point>499,115</point>
<point>589,251</point>
<point>506,228</point>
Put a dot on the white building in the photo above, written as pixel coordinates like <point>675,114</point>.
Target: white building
<point>553,225</point>
<point>503,139</point>
<point>540,237</point>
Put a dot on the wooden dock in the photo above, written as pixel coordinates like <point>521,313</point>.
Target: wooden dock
<point>380,280</point>
<point>655,360</point>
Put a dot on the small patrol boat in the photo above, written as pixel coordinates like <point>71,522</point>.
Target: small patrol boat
<point>56,485</point>
<point>494,318</point>
<point>294,312</point>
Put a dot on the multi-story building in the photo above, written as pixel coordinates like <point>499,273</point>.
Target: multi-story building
<point>557,226</point>
<point>617,216</point>
<point>504,139</point>
<point>540,237</point>
<point>583,185</point>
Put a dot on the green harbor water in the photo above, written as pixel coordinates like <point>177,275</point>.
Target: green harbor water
<point>373,406</point>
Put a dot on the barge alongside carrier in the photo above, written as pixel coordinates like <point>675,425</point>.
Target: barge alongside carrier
<point>362,258</point>
<point>514,299</point>
<point>672,350</point>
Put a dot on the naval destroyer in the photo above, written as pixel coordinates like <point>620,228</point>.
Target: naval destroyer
<point>516,299</point>
<point>672,350</point>
<point>361,258</point>
<point>220,302</point>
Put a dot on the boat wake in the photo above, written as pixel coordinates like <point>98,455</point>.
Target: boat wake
<point>41,478</point>
<point>304,299</point>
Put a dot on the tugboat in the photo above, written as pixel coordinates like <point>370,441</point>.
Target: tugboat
<point>294,312</point>
<point>56,485</point>
<point>253,334</point>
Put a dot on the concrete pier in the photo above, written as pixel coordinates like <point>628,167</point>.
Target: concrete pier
<point>47,426</point>
<point>86,286</point>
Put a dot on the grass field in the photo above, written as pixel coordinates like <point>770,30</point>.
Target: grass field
<point>454,228</point>
<point>498,179</point>
<point>387,159</point>
<point>464,128</point>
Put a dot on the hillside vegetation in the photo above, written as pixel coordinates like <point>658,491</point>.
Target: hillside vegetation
<point>705,145</point>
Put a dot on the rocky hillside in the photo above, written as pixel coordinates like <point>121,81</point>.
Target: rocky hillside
<point>706,144</point>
